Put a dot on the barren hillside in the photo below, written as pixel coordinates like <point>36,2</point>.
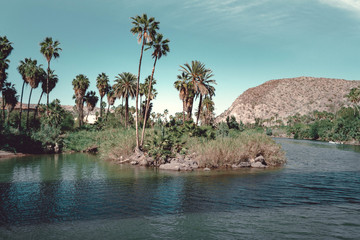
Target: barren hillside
<point>285,97</point>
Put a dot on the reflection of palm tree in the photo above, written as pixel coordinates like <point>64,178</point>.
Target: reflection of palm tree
<point>102,83</point>
<point>49,49</point>
<point>145,28</point>
<point>125,87</point>
<point>80,84</point>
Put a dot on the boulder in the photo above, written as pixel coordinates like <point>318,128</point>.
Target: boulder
<point>170,166</point>
<point>207,169</point>
<point>133,162</point>
<point>241,165</point>
<point>258,165</point>
<point>260,159</point>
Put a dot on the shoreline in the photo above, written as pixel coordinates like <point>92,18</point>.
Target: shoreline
<point>5,154</point>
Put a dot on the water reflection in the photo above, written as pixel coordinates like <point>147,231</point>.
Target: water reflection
<point>77,187</point>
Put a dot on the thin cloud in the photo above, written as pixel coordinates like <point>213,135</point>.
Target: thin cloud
<point>350,5</point>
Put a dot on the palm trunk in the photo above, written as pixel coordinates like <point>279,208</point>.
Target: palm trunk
<point>7,117</point>
<point>28,111</point>
<point>137,97</point>
<point>37,107</point>
<point>3,106</point>
<point>21,99</point>
<point>126,111</point>
<point>107,113</point>
<point>199,109</point>
<point>147,104</point>
<point>189,106</point>
<point>101,106</point>
<point>184,109</point>
<point>47,89</point>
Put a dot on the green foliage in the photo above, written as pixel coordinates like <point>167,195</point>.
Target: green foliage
<point>231,122</point>
<point>222,130</point>
<point>268,131</point>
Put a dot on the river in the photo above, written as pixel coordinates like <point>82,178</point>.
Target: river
<point>77,196</point>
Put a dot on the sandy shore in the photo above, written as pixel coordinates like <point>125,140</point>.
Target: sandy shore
<point>4,154</point>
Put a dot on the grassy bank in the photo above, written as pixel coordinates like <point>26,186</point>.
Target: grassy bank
<point>210,149</point>
<point>226,151</point>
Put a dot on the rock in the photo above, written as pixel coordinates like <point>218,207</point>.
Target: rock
<point>133,162</point>
<point>143,162</point>
<point>258,165</point>
<point>260,159</point>
<point>241,165</point>
<point>170,166</point>
<point>207,169</point>
<point>245,164</point>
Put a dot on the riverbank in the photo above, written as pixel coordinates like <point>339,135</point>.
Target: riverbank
<point>4,154</point>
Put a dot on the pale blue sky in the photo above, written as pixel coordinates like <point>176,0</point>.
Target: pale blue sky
<point>244,42</point>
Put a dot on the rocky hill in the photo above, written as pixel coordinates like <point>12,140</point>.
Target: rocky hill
<point>286,97</point>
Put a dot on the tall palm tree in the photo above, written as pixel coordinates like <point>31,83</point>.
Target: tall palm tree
<point>145,28</point>
<point>9,98</point>
<point>208,110</point>
<point>5,50</point>
<point>91,100</point>
<point>49,49</point>
<point>160,48</point>
<point>204,88</point>
<point>182,86</point>
<point>80,85</point>
<point>111,97</point>
<point>34,83</point>
<point>102,84</point>
<point>30,73</point>
<point>125,87</point>
<point>197,73</point>
<point>53,80</point>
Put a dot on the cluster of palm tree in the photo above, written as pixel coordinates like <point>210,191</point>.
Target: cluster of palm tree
<point>195,81</point>
<point>146,30</point>
<point>354,97</point>
<point>8,91</point>
<point>33,74</point>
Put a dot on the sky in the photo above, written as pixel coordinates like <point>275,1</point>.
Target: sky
<point>244,42</point>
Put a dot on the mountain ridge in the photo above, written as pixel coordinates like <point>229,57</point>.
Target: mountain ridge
<point>281,98</point>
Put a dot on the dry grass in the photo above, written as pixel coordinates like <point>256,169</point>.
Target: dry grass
<point>232,150</point>
<point>117,144</point>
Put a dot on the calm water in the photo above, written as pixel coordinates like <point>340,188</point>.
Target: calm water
<point>76,196</point>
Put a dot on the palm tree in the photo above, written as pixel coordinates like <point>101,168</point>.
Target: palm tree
<point>49,49</point>
<point>354,97</point>
<point>9,98</point>
<point>125,87</point>
<point>145,28</point>
<point>53,80</point>
<point>91,100</point>
<point>102,84</point>
<point>80,84</point>
<point>31,74</point>
<point>198,75</point>
<point>204,88</point>
<point>111,97</point>
<point>160,48</point>
<point>5,51</point>
<point>208,110</point>
<point>182,86</point>
<point>25,68</point>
